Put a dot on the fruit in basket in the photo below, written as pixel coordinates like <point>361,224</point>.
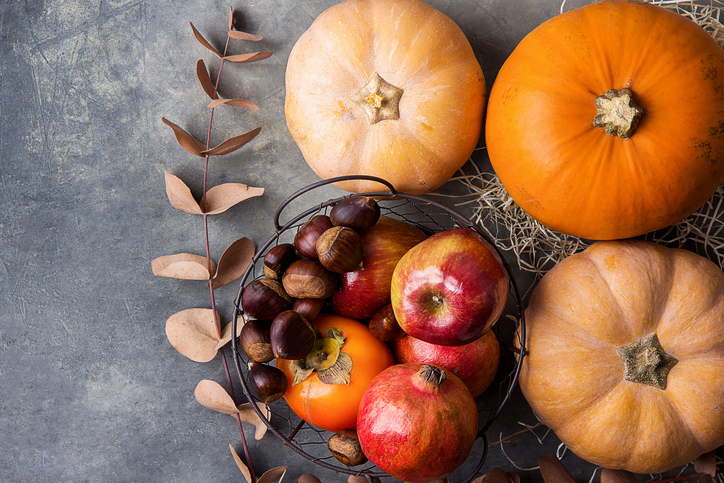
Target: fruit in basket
<point>277,259</point>
<point>291,335</point>
<point>308,279</point>
<point>265,299</point>
<point>305,240</point>
<point>390,88</point>
<point>325,388</point>
<point>360,294</point>
<point>340,249</point>
<point>476,363</point>
<point>576,71</point>
<point>357,212</point>
<point>449,289</point>
<point>625,355</point>
<point>417,422</point>
<point>344,446</point>
<point>267,382</point>
<point>255,340</point>
<point>384,326</point>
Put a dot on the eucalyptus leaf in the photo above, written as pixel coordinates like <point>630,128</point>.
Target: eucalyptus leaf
<point>184,266</point>
<point>193,333</point>
<point>186,140</point>
<point>553,470</point>
<point>204,42</point>
<point>232,144</point>
<point>180,195</point>
<point>222,197</point>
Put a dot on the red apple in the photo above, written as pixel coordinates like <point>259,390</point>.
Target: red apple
<point>475,363</point>
<point>449,289</point>
<point>360,294</point>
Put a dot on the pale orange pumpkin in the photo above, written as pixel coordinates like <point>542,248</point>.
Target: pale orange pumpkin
<point>389,88</point>
<point>625,355</point>
<point>573,176</point>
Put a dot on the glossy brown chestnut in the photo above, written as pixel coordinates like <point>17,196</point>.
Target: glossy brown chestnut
<point>344,445</point>
<point>264,299</point>
<point>384,326</point>
<point>358,212</point>
<point>278,259</point>
<point>267,382</point>
<point>340,249</point>
<point>308,308</point>
<point>309,279</point>
<point>255,340</point>
<point>305,240</point>
<point>292,336</point>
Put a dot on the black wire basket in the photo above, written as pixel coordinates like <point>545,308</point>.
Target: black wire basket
<point>430,217</point>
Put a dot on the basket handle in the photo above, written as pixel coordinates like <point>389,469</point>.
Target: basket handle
<point>325,182</point>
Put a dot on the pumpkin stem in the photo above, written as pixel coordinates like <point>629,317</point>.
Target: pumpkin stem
<point>646,362</point>
<point>617,113</point>
<point>379,99</point>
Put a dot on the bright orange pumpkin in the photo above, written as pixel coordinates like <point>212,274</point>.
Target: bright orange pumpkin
<point>389,88</point>
<point>571,175</point>
<point>625,355</point>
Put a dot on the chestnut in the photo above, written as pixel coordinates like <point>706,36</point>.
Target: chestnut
<point>358,212</point>
<point>340,249</point>
<point>264,299</point>
<point>384,326</point>
<point>255,340</point>
<point>308,308</point>
<point>278,259</point>
<point>292,336</point>
<point>309,279</point>
<point>345,446</point>
<point>267,382</point>
<point>305,240</point>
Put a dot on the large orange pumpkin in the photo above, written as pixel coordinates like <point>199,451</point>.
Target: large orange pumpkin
<point>625,355</point>
<point>389,88</point>
<point>572,175</point>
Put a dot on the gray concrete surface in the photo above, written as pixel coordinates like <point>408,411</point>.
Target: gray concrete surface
<point>90,388</point>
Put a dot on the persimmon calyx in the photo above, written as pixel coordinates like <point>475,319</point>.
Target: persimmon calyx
<point>617,113</point>
<point>326,359</point>
<point>379,100</point>
<point>646,362</point>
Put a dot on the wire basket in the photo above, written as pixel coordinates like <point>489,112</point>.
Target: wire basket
<point>430,217</point>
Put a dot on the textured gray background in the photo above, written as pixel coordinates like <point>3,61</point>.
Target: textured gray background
<point>90,388</point>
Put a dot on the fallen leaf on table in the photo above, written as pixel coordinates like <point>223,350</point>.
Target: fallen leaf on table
<point>204,42</point>
<point>553,470</point>
<point>211,395</point>
<point>706,463</point>
<point>186,140</point>
<point>234,102</point>
<point>180,195</point>
<point>231,144</point>
<point>206,83</point>
<point>253,57</point>
<point>222,197</point>
<point>183,266</point>
<point>496,475</point>
<point>239,35</point>
<point>192,332</point>
<point>234,261</point>
<point>617,476</point>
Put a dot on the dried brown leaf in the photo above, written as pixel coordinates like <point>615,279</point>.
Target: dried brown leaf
<point>247,415</point>
<point>184,266</point>
<point>232,20</point>
<point>308,478</point>
<point>226,334</point>
<point>553,470</point>
<point>234,102</point>
<point>361,479</point>
<point>222,197</point>
<point>180,195</point>
<point>232,144</point>
<point>617,476</point>
<point>239,35</point>
<point>192,332</point>
<point>514,477</point>
<point>211,395</point>
<point>251,57</point>
<point>206,83</point>
<point>705,479</point>
<point>706,463</point>
<point>186,140</point>
<point>204,42</point>
<point>234,261</point>
<point>272,475</point>
<point>244,469</point>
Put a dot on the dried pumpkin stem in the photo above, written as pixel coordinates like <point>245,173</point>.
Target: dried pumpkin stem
<point>617,113</point>
<point>379,99</point>
<point>646,362</point>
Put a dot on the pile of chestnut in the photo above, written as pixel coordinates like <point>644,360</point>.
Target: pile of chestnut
<point>298,278</point>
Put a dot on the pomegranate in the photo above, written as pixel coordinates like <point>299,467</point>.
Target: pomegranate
<point>417,422</point>
<point>476,363</point>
